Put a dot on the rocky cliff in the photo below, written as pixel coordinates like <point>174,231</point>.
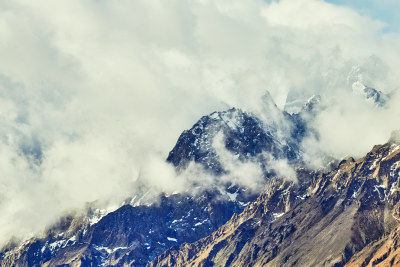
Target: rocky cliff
<point>346,216</point>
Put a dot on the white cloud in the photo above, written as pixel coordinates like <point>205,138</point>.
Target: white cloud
<point>102,87</point>
<point>248,174</point>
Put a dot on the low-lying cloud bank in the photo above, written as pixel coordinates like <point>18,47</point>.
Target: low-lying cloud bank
<point>94,93</point>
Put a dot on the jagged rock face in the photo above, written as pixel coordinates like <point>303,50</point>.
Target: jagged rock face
<point>67,232</point>
<point>136,234</point>
<point>377,97</point>
<point>244,135</point>
<point>341,213</point>
<point>130,235</point>
<point>384,252</point>
<point>372,95</point>
<point>140,233</point>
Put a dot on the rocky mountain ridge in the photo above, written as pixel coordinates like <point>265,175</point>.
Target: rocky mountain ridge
<point>352,209</point>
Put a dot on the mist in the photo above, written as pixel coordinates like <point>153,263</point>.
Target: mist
<point>94,94</point>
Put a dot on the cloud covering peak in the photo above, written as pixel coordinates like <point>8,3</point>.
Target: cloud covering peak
<point>91,92</point>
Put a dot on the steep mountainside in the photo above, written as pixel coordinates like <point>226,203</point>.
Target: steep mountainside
<point>353,209</point>
<point>384,252</point>
<point>135,234</point>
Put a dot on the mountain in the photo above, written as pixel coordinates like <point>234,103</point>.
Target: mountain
<point>348,216</point>
<point>127,235</point>
<point>245,135</point>
<point>370,94</point>
<point>136,233</point>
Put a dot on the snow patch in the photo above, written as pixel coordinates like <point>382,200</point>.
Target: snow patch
<point>232,196</point>
<point>214,115</point>
<point>277,215</point>
<point>200,223</point>
<point>302,197</point>
<point>376,188</point>
<point>373,165</point>
<point>107,249</point>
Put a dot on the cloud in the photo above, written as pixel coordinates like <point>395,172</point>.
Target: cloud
<point>350,126</point>
<point>243,173</point>
<point>94,94</point>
